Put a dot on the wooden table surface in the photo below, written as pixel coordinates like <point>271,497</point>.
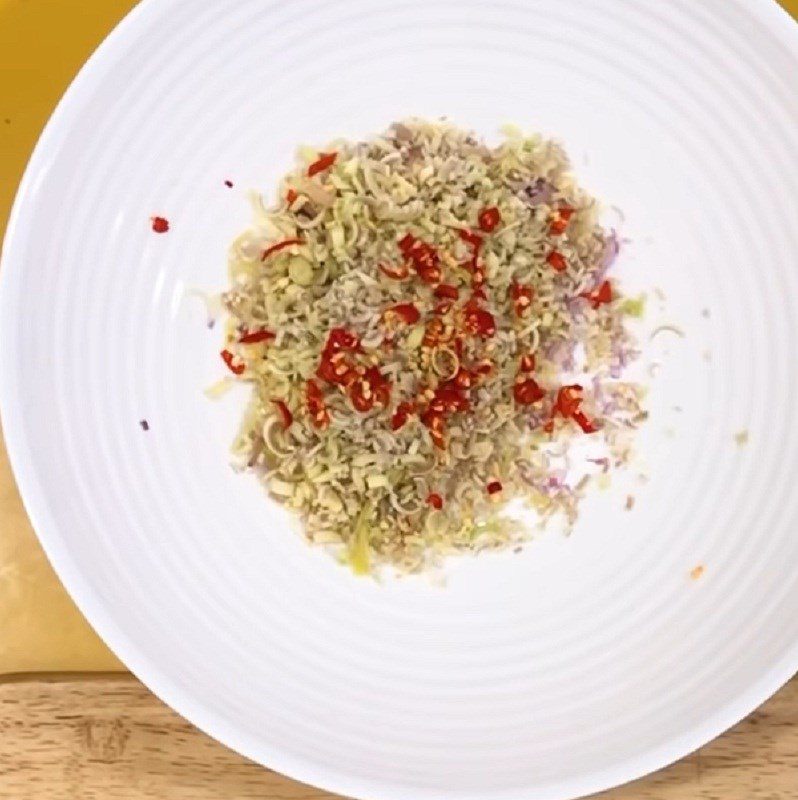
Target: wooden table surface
<point>108,738</point>
<point>104,736</point>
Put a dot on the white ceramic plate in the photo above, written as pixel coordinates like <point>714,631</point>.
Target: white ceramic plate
<point>580,664</point>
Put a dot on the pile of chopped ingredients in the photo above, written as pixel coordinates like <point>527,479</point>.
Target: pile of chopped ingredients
<point>427,325</point>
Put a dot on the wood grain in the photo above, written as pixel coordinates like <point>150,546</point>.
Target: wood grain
<point>108,738</point>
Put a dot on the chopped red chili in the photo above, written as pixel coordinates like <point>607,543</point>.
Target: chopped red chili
<point>433,334</point>
<point>380,385</point>
<point>228,358</point>
<point>522,295</point>
<point>160,224</point>
<point>435,500</point>
<point>400,416</point>
<point>446,291</point>
<point>473,239</point>
<point>527,391</point>
<point>583,422</point>
<point>407,312</point>
<point>560,222</point>
<point>527,363</point>
<point>290,196</point>
<point>285,413</point>
<point>324,161</point>
<point>478,321</point>
<point>317,409</point>
<point>489,218</point>
<point>569,398</point>
<point>444,307</point>
<point>463,378</point>
<point>568,403</point>
<point>341,339</point>
<point>557,261</point>
<point>279,246</point>
<point>336,368</point>
<point>370,390</point>
<point>494,487</point>
<point>253,337</point>
<point>449,399</point>
<point>423,257</point>
<point>483,369</point>
<point>434,421</point>
<point>601,294</point>
<point>362,396</point>
<point>397,274</point>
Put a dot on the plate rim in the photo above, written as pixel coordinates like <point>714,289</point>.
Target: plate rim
<point>781,25</point>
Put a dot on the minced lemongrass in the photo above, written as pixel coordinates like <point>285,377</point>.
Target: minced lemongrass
<point>398,390</point>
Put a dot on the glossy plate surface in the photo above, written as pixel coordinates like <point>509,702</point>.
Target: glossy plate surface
<point>581,663</point>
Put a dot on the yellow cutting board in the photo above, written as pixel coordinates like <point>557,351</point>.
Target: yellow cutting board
<point>42,45</point>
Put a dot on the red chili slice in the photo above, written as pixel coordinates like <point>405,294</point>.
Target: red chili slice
<point>446,291</point>
<point>160,224</point>
<point>444,307</point>
<point>400,416</point>
<point>584,423</point>
<point>463,378</point>
<point>380,385</point>
<point>435,423</point>
<point>568,403</point>
<point>253,337</point>
<point>339,339</point>
<point>371,389</point>
<point>362,396</point>
<point>324,161</point>
<point>560,222</point>
<point>527,363</point>
<point>480,322</point>
<point>290,196</point>
<point>227,357</point>
<point>407,312</point>
<point>470,238</point>
<point>335,368</point>
<point>433,333</point>
<point>527,391</point>
<point>483,369</point>
<point>569,398</point>
<point>397,274</point>
<point>494,487</point>
<point>522,295</point>
<point>407,242</point>
<point>449,399</point>
<point>435,500</point>
<point>557,261</point>
<point>279,246</point>
<point>285,413</point>
<point>423,257</point>
<point>489,218</point>
<point>317,410</point>
<point>601,294</point>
